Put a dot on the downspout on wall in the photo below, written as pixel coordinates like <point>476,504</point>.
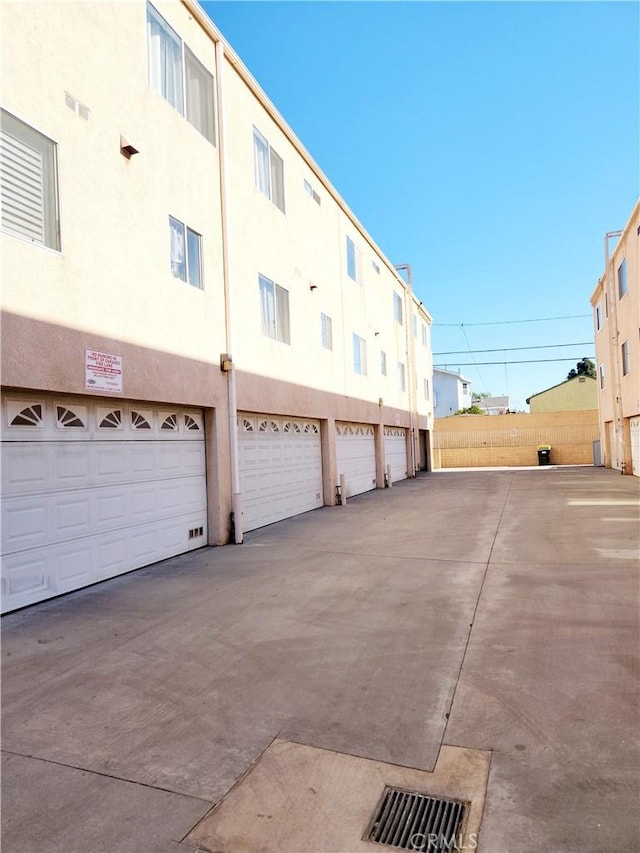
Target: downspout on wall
<point>236,496</point>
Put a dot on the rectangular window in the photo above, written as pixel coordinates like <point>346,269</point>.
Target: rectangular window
<point>415,327</point>
<point>598,317</point>
<point>29,183</point>
<point>606,305</point>
<point>268,170</point>
<point>310,190</point>
<point>326,331</point>
<point>426,389</point>
<point>383,362</point>
<point>200,96</point>
<point>626,359</point>
<point>375,267</point>
<point>622,279</point>
<point>424,336</point>
<point>397,308</point>
<point>401,379</point>
<point>352,271</point>
<point>601,375</point>
<point>359,355</point>
<point>274,310</point>
<point>165,59</point>
<point>176,74</point>
<point>186,253</point>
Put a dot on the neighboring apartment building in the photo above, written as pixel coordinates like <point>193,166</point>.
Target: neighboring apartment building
<point>199,338</point>
<point>616,311</point>
<point>572,395</point>
<point>451,392</point>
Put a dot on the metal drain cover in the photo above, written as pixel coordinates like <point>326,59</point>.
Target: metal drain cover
<point>411,821</point>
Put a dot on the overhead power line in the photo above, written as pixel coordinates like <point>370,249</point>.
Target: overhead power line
<point>508,322</point>
<point>526,361</point>
<point>511,349</point>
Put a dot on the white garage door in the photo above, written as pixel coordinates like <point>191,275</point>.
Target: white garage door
<point>92,489</point>
<point>635,445</point>
<point>280,462</point>
<point>395,451</point>
<point>356,457</point>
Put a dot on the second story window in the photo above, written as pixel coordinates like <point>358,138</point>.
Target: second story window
<point>401,377</point>
<point>601,376</point>
<point>186,253</point>
<point>268,170</point>
<point>191,93</point>
<point>598,317</point>
<point>359,355</point>
<point>383,362</point>
<point>425,340</point>
<point>274,310</point>
<point>29,183</point>
<point>622,279</point>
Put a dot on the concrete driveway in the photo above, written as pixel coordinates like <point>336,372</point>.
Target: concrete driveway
<point>491,611</point>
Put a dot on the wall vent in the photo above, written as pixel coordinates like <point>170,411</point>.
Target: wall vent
<point>75,105</point>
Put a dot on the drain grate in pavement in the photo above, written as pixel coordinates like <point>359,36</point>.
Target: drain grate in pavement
<point>411,821</point>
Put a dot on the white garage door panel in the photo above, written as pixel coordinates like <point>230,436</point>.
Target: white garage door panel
<point>356,457</point>
<point>395,451</point>
<point>280,468</point>
<point>635,446</point>
<point>86,504</point>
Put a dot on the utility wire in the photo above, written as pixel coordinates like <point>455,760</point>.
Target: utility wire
<point>480,376</point>
<point>509,349</point>
<point>529,361</point>
<point>508,322</point>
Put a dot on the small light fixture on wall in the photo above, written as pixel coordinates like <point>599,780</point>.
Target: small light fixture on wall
<point>312,286</point>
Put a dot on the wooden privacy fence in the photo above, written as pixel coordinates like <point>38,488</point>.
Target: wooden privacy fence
<point>467,441</point>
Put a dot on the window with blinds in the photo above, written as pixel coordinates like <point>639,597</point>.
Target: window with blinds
<point>29,184</point>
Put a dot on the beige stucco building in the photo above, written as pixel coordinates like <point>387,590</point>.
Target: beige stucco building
<point>616,312</point>
<point>198,336</point>
<point>572,395</point>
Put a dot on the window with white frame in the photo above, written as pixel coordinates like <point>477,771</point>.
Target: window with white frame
<point>186,253</point>
<point>401,377</point>
<point>359,355</point>
<point>326,331</point>
<point>598,317</point>
<point>310,191</point>
<point>415,327</point>
<point>426,389</point>
<point>622,279</point>
<point>268,170</point>
<point>176,74</point>
<point>425,339</point>
<point>397,308</point>
<point>199,95</point>
<point>601,375</point>
<point>29,183</point>
<point>626,359</point>
<point>354,262</point>
<point>383,362</point>
<point>274,310</point>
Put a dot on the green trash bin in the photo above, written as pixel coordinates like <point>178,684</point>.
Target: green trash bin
<point>544,454</point>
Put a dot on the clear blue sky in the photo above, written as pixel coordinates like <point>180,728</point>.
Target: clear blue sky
<point>489,145</point>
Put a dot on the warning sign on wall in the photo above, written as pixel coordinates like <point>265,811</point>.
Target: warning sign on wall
<point>102,371</point>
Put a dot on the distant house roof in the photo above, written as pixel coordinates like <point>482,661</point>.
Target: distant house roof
<point>451,373</point>
<point>566,382</point>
